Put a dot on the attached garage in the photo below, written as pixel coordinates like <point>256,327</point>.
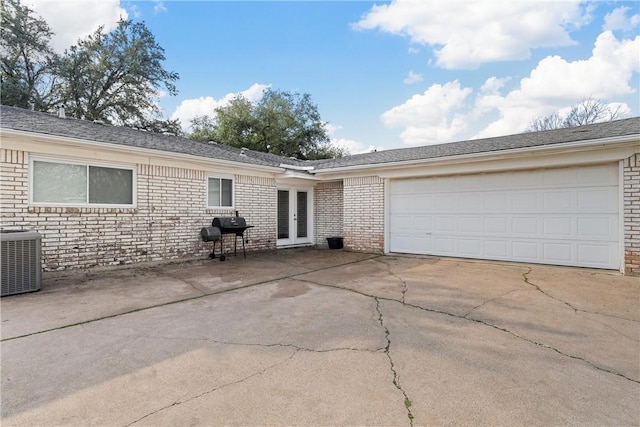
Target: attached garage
<point>563,216</point>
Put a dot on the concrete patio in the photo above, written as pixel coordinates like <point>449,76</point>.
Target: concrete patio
<point>324,337</point>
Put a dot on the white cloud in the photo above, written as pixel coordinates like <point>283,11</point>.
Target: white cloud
<point>430,117</point>
<point>205,105</point>
<point>556,84</point>
<point>618,20</point>
<point>466,34</point>
<point>74,19</point>
<point>352,146</point>
<point>412,78</point>
<point>159,7</point>
<point>446,112</point>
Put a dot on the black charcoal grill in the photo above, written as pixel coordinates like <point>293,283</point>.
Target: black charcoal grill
<point>222,225</point>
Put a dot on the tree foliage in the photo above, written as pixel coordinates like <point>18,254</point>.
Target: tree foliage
<point>115,77</point>
<point>283,123</point>
<point>589,110</point>
<point>27,61</point>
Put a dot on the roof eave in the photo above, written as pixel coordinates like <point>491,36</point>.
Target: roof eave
<point>620,141</point>
<point>140,150</point>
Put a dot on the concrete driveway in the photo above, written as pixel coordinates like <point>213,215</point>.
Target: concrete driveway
<point>313,337</point>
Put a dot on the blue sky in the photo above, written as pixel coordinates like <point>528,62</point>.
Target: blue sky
<point>386,74</point>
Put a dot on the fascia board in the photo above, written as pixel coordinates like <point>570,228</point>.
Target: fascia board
<point>630,141</point>
<point>149,152</point>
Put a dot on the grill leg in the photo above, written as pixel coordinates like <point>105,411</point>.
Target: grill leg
<point>243,250</point>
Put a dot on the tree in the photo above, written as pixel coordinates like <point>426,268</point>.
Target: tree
<point>283,123</point>
<point>588,110</point>
<point>116,77</point>
<point>27,61</point>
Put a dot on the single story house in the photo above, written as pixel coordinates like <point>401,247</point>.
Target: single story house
<point>101,195</point>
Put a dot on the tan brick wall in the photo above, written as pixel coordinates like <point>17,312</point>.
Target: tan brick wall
<point>631,189</point>
<point>364,214</point>
<point>165,224</point>
<point>328,208</point>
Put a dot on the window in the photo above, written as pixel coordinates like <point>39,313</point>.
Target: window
<point>81,184</point>
<point>220,193</point>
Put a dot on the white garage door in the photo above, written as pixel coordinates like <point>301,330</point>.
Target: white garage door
<point>565,216</point>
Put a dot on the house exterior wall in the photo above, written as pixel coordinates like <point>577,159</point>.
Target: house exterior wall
<point>631,191</point>
<point>165,224</point>
<point>256,201</point>
<point>364,213</point>
<point>328,208</point>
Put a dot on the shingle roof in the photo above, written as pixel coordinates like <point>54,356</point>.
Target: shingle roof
<point>44,123</point>
<point>49,124</point>
<point>618,128</point>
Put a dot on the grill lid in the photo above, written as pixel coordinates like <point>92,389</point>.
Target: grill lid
<point>229,222</point>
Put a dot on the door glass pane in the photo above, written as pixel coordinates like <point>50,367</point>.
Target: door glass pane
<point>110,186</point>
<point>283,214</point>
<point>59,183</point>
<point>302,214</point>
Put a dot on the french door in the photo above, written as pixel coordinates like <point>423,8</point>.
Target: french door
<point>295,215</point>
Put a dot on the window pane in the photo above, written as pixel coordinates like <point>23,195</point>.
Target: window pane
<point>214,192</point>
<point>110,186</point>
<point>283,214</point>
<point>227,192</point>
<point>59,183</point>
<point>302,214</point>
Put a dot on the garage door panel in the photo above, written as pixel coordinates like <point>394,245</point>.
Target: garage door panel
<point>497,225</point>
<point>470,225</point>
<point>495,202</point>
<point>445,225</point>
<point>496,249</point>
<point>529,202</point>
<point>598,200</point>
<point>558,253</point>
<point>564,216</point>
<point>558,201</point>
<point>470,247</point>
<point>558,226</point>
<point>596,255</point>
<point>598,227</point>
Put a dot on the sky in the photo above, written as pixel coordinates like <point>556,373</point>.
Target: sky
<point>385,74</point>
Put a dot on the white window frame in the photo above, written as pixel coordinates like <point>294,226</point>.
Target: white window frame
<point>233,191</point>
<point>87,164</point>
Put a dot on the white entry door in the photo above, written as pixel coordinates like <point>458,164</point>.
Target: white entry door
<point>295,216</point>
<point>565,216</point>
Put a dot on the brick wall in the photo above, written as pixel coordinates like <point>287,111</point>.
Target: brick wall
<point>328,207</point>
<point>364,207</point>
<point>631,188</point>
<point>165,224</point>
<point>256,201</point>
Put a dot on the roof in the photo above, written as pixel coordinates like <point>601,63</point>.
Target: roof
<point>49,124</point>
<point>613,129</point>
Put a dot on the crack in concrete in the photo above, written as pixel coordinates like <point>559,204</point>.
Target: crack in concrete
<point>400,279</point>
<point>237,343</point>
<point>526,280</point>
<point>180,279</point>
<point>396,376</point>
<point>255,374</point>
<point>490,300</point>
<point>482,322</point>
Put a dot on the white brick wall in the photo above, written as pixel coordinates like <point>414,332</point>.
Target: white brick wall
<point>364,214</point>
<point>632,214</point>
<point>171,210</point>
<point>328,207</point>
<point>256,201</point>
